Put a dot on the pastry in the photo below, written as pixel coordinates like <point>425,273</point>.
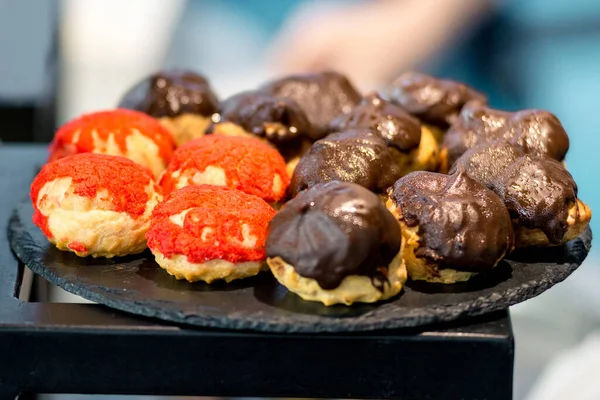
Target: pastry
<point>539,192</point>
<point>277,120</point>
<point>322,96</point>
<point>436,102</point>
<point>453,226</point>
<point>206,233</point>
<point>413,148</point>
<point>536,131</point>
<point>182,101</point>
<point>126,133</point>
<point>336,243</point>
<point>428,156</point>
<point>242,163</point>
<point>358,156</point>
<point>94,204</point>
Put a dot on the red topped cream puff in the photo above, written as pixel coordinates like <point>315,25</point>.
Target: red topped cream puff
<point>242,163</point>
<point>94,204</point>
<point>119,132</point>
<point>206,233</point>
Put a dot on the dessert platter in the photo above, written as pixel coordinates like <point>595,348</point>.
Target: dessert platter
<point>304,205</point>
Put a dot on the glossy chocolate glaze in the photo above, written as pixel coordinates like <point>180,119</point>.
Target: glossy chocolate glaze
<point>256,111</point>
<point>462,224</point>
<point>475,124</point>
<point>170,94</point>
<point>357,156</point>
<point>396,126</point>
<point>322,96</point>
<point>537,191</point>
<point>539,132</point>
<point>334,230</point>
<point>434,101</point>
<point>487,162</point>
<point>536,131</point>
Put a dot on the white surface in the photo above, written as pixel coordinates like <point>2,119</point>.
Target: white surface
<point>573,374</point>
<point>107,46</point>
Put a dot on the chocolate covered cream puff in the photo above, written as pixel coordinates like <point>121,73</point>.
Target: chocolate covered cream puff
<point>120,132</point>
<point>413,148</point>
<point>537,132</point>
<point>539,192</point>
<point>322,96</point>
<point>277,120</point>
<point>242,163</point>
<point>453,226</point>
<point>208,233</point>
<point>182,101</point>
<point>336,243</point>
<point>434,101</point>
<point>94,204</point>
<point>358,156</point>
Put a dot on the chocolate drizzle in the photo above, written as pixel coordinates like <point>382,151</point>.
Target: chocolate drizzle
<point>322,96</point>
<point>434,101</point>
<point>170,94</point>
<point>538,191</point>
<point>462,224</point>
<point>396,126</point>
<point>357,156</point>
<point>334,230</point>
<point>277,119</point>
<point>536,131</point>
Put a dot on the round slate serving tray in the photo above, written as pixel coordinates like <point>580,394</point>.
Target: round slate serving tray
<point>138,285</point>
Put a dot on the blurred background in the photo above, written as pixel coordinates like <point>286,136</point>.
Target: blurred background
<point>61,58</point>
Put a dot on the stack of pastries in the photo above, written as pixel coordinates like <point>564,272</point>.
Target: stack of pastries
<point>342,196</point>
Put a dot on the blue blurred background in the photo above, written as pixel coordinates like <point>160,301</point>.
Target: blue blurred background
<point>59,59</point>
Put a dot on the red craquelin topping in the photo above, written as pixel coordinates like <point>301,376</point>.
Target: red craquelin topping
<point>77,246</point>
<point>249,164</point>
<point>120,122</point>
<point>124,180</point>
<point>222,209</point>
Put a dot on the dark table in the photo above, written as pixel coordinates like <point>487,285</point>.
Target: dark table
<point>89,348</point>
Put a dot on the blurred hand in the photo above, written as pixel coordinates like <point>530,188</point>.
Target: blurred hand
<point>371,41</point>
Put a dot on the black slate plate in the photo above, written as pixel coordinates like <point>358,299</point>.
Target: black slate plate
<point>137,285</point>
